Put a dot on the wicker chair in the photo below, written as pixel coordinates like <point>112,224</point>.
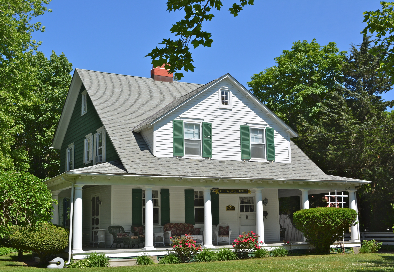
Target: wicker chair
<point>223,233</point>
<point>120,236</point>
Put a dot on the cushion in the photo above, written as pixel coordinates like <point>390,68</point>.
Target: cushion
<point>196,231</point>
<point>139,230</point>
<point>121,235</point>
<point>224,230</point>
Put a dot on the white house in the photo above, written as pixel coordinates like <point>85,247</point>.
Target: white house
<point>150,151</point>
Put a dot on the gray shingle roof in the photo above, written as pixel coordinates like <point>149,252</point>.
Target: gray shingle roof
<point>125,103</point>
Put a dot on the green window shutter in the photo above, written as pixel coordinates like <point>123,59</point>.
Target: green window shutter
<point>245,142</point>
<point>269,136</point>
<point>136,216</point>
<point>215,208</point>
<point>165,206</point>
<point>189,206</point>
<point>177,131</point>
<point>207,140</point>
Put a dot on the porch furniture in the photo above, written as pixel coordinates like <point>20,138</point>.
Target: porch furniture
<point>158,235</point>
<point>98,237</point>
<point>120,236</point>
<point>139,232</point>
<point>223,233</point>
<point>180,229</point>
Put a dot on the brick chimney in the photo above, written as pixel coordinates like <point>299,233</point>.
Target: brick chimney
<point>161,74</point>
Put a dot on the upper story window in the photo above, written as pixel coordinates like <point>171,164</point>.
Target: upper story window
<point>84,107</point>
<point>70,157</point>
<point>192,139</point>
<point>99,146</point>
<point>257,143</point>
<point>224,97</point>
<point>88,149</point>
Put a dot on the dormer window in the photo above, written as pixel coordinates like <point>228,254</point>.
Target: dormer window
<point>257,143</point>
<point>192,139</point>
<point>99,146</point>
<point>84,108</point>
<point>224,97</point>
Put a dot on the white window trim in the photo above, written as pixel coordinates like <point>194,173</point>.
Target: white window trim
<point>84,104</point>
<point>100,130</point>
<point>229,106</point>
<point>157,207</point>
<point>69,149</point>
<point>88,144</point>
<point>198,207</point>
<point>250,142</point>
<point>184,147</point>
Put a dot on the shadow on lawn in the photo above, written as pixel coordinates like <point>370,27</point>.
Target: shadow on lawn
<point>13,260</point>
<point>388,261</point>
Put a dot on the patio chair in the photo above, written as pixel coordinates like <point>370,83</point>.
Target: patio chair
<point>119,236</point>
<point>223,233</point>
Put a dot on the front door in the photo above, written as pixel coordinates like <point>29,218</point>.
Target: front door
<point>247,214</point>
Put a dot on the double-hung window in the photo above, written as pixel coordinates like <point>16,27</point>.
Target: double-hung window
<point>225,97</point>
<point>156,207</point>
<point>88,149</point>
<point>99,146</point>
<point>198,207</point>
<point>70,157</point>
<point>192,139</point>
<point>84,106</point>
<point>257,143</point>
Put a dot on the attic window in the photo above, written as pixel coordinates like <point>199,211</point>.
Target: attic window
<point>224,97</point>
<point>70,157</point>
<point>84,108</point>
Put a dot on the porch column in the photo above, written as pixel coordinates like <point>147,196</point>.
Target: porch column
<point>354,230</point>
<point>207,218</point>
<point>77,222</point>
<point>260,215</point>
<point>304,199</point>
<point>55,207</point>
<point>148,219</point>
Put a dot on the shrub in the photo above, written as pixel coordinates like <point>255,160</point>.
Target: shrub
<point>226,254</point>
<point>144,260</point>
<point>170,259</point>
<point>245,243</point>
<point>261,253</point>
<point>45,239</point>
<point>324,226</point>
<point>185,247</point>
<point>206,255</point>
<point>370,246</point>
<point>93,260</point>
<point>6,250</point>
<point>279,252</point>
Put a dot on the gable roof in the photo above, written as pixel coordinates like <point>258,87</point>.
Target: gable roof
<point>125,104</point>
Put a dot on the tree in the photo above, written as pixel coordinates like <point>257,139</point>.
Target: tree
<point>24,201</point>
<point>380,23</point>
<point>176,54</point>
<point>32,91</point>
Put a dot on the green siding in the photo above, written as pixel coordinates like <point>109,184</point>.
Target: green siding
<point>78,128</point>
<point>189,206</point>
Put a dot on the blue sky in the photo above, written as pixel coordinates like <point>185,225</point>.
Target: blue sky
<point>115,36</point>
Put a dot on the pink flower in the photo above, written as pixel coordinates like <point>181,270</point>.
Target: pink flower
<point>240,236</point>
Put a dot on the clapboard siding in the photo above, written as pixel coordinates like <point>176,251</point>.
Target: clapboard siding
<point>177,205</point>
<point>121,206</point>
<point>225,124</point>
<point>271,224</point>
<point>104,193</point>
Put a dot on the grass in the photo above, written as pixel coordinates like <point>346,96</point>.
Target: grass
<point>339,262</point>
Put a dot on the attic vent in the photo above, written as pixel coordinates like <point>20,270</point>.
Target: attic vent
<point>161,74</point>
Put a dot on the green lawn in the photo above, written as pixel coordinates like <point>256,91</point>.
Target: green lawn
<point>337,262</point>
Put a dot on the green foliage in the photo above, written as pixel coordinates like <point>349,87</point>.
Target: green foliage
<point>176,53</point>
<point>170,259</point>
<point>380,23</point>
<point>144,260</point>
<point>185,247</point>
<point>24,201</point>
<point>93,260</point>
<point>226,254</point>
<point>6,250</point>
<point>279,252</point>
<point>261,253</point>
<point>324,226</point>
<point>206,255</point>
<point>44,239</point>
<point>289,205</point>
<point>370,246</point>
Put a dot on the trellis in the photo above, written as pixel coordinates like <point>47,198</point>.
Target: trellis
<point>336,197</point>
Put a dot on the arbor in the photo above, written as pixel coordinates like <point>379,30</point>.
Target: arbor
<point>32,91</point>
<point>380,23</point>
<point>177,52</point>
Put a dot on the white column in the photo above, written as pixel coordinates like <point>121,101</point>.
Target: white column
<point>55,208</point>
<point>77,222</point>
<point>207,218</point>
<point>304,199</point>
<point>354,230</point>
<point>260,215</point>
<point>148,219</point>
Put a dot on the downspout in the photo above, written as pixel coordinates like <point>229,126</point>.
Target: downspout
<point>71,224</point>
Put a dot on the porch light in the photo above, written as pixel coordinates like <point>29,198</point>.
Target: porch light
<point>265,214</point>
<point>265,201</point>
